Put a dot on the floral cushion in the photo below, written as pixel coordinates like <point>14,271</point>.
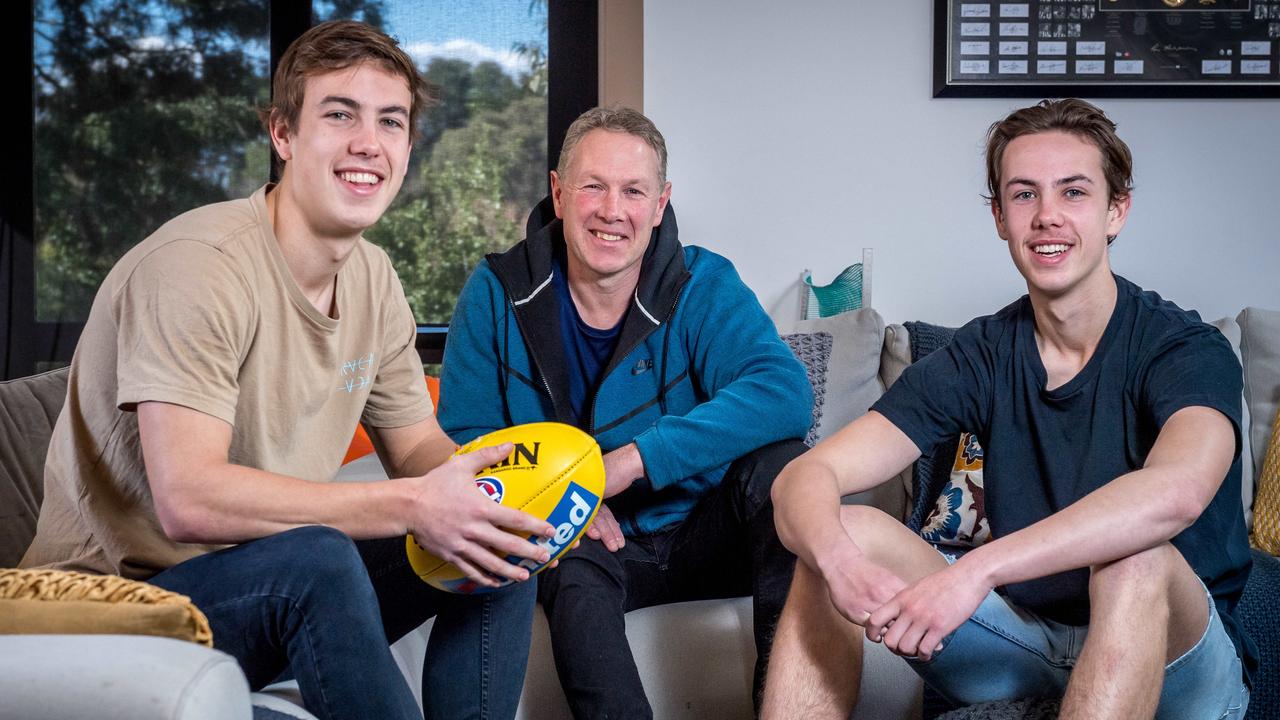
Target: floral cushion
<point>959,518</point>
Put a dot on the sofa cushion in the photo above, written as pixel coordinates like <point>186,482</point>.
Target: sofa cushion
<point>1231,331</point>
<point>841,355</point>
<point>1260,351</point>
<point>28,409</point>
<point>959,516</point>
<point>1266,509</point>
<point>59,602</point>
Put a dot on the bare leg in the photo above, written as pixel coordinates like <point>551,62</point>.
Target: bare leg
<point>1146,610</point>
<point>815,666</point>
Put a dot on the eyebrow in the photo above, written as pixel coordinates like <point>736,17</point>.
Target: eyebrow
<point>350,103</point>
<point>1056,183</point>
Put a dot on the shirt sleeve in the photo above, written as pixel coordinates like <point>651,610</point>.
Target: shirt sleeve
<point>399,394</point>
<point>184,318</point>
<point>945,393</point>
<point>1194,366</point>
<point>759,392</point>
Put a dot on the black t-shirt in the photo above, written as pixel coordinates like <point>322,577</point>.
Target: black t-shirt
<point>587,350</point>
<point>1046,449</point>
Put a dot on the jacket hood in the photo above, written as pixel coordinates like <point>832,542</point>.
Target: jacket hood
<point>525,274</point>
<point>525,269</point>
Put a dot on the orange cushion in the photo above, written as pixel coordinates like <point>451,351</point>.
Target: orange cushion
<point>361,445</point>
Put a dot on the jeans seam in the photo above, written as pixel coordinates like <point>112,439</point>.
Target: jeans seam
<point>485,614</point>
<point>1017,641</point>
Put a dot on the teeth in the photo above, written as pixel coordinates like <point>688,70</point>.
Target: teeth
<point>360,178</point>
<point>607,236</point>
<point>1049,249</point>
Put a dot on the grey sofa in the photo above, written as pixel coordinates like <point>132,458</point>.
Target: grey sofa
<point>695,658</point>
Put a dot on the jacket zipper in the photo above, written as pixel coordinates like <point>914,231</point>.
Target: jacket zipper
<point>591,408</point>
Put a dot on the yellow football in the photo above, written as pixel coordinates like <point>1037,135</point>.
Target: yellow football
<point>554,472</point>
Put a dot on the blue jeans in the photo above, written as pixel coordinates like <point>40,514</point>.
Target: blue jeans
<point>312,603</point>
<point>1005,652</point>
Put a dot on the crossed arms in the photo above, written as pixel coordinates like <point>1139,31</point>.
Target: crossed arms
<point>1133,512</point>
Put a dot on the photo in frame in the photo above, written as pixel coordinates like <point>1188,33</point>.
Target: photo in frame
<point>1107,48</point>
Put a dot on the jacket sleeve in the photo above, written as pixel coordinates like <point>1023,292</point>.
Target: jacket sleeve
<point>471,401</point>
<point>758,392</point>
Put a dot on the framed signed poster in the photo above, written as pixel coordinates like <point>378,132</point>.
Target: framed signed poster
<point>1107,48</point>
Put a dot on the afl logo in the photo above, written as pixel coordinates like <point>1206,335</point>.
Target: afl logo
<point>490,486</point>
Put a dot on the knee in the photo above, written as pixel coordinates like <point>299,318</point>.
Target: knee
<point>757,469</point>
<point>1145,577</point>
<point>589,567</point>
<point>325,556</point>
<point>873,530</point>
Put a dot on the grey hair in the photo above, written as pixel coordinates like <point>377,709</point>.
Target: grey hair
<point>615,119</point>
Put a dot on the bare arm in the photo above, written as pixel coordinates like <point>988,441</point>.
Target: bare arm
<point>806,494</point>
<point>1134,512</point>
<point>412,450</point>
<point>201,497</point>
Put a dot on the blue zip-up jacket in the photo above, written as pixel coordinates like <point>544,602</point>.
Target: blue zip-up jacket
<point>699,377</point>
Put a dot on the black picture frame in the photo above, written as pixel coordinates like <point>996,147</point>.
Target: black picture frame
<point>1179,48</point>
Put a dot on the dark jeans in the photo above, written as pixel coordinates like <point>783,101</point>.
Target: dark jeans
<point>726,547</point>
<point>313,602</point>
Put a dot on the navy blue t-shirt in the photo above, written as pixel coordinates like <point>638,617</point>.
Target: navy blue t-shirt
<point>586,349</point>
<point>1046,449</point>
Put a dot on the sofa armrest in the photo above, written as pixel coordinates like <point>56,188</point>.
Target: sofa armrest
<point>119,676</point>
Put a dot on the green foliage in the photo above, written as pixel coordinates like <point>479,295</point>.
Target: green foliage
<point>473,194</point>
<point>130,134</point>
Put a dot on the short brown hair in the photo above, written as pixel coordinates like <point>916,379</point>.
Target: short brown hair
<point>336,45</point>
<point>616,119</point>
<point>1070,116</point>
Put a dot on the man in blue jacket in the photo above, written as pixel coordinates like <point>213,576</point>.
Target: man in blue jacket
<point>601,319</point>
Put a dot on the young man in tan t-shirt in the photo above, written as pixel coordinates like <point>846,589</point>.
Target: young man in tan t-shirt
<point>222,371</point>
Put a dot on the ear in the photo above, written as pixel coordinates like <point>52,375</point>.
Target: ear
<point>556,189</point>
<point>281,137</point>
<point>998,216</point>
<point>663,199</point>
<point>1118,213</point>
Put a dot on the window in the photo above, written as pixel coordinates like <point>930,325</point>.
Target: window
<point>481,163</point>
<point>143,109</point>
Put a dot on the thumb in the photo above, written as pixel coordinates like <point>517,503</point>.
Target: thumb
<point>481,458</point>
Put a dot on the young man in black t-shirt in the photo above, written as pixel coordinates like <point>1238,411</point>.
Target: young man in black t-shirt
<point>1110,421</point>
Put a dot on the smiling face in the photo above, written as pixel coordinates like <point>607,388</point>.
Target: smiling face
<point>609,199</point>
<point>348,153</point>
<point>1053,211</point>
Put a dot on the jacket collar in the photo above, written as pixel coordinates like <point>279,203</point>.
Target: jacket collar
<point>525,274</point>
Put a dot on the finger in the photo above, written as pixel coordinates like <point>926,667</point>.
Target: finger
<point>481,458</point>
<point>474,573</point>
<point>517,521</point>
<point>504,543</point>
<point>610,531</point>
<point>489,563</point>
<point>879,621</point>
<point>930,644</point>
<point>593,532</point>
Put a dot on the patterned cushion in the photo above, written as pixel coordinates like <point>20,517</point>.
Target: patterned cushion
<point>841,355</point>
<point>959,517</point>
<point>1266,501</point>
<point>57,602</point>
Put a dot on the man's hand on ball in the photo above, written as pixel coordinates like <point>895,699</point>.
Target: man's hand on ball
<point>459,524</point>
<point>605,528</point>
<point>621,468</point>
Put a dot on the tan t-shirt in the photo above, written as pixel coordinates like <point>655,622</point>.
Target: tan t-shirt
<point>205,314</point>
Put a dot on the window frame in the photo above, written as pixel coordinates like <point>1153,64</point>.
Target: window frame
<point>572,87</point>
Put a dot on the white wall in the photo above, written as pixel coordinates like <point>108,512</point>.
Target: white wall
<point>802,131</point>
